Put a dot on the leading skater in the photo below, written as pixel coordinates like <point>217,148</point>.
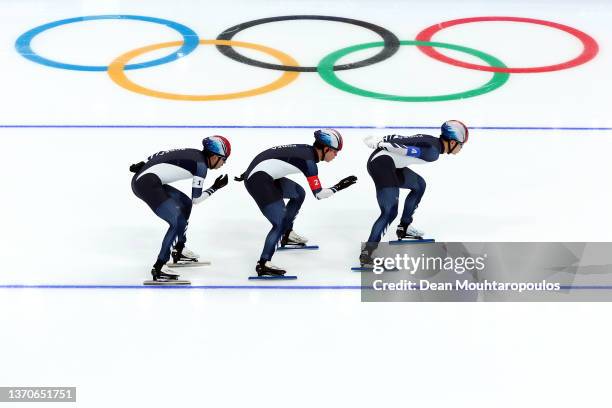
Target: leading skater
<point>388,167</point>
<point>266,182</point>
<point>151,184</point>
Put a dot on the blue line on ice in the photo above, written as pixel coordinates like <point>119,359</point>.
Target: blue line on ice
<point>287,287</point>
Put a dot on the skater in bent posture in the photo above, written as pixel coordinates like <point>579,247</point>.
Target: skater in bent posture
<point>266,182</point>
<point>151,185</point>
<point>388,167</point>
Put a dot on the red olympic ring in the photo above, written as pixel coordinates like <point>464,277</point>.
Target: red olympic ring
<point>588,53</point>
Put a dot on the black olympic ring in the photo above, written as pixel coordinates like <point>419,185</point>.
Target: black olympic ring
<point>391,43</point>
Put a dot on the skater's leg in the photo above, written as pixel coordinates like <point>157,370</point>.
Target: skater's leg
<point>388,203</point>
<point>417,186</point>
<point>267,194</point>
<point>384,174</point>
<point>186,205</point>
<point>296,194</point>
<point>171,212</point>
<point>182,198</point>
<point>149,189</point>
<point>275,213</point>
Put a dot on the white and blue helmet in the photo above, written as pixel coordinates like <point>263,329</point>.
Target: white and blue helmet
<point>217,145</point>
<point>455,130</point>
<point>329,138</point>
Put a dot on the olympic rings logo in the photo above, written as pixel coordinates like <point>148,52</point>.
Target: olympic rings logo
<point>327,67</point>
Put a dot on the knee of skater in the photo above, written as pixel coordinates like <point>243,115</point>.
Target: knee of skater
<point>277,221</point>
<point>181,223</point>
<point>178,221</point>
<point>300,193</point>
<point>300,198</point>
<point>390,211</point>
<point>421,185</point>
<point>276,224</point>
<point>178,225</point>
<point>169,212</point>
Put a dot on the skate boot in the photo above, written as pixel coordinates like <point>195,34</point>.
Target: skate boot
<point>365,259</point>
<point>265,268</point>
<point>408,232</point>
<point>292,239</point>
<point>163,275</point>
<point>184,255</point>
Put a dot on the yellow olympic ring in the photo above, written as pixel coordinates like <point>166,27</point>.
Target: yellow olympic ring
<point>117,73</point>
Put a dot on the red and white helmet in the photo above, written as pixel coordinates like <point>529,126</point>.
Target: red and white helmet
<point>218,145</point>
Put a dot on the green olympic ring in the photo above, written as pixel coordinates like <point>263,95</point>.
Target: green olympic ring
<point>326,72</point>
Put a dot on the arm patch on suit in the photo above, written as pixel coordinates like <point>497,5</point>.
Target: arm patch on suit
<point>413,151</point>
<point>314,182</point>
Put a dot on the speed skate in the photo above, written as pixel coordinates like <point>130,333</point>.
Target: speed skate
<point>411,241</point>
<point>165,277</point>
<point>267,271</point>
<point>187,264</point>
<point>297,246</point>
<point>174,282</point>
<point>292,240</point>
<point>269,277</point>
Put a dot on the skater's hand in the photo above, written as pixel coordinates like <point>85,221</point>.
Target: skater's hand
<point>372,142</point>
<point>220,182</point>
<point>345,182</point>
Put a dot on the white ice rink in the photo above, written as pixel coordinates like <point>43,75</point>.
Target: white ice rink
<point>536,168</point>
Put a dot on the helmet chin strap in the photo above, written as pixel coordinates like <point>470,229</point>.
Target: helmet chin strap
<point>454,147</point>
<point>209,158</point>
<point>322,153</point>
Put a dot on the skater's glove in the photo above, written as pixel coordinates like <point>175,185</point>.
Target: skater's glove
<point>344,183</point>
<point>220,182</point>
<point>372,141</point>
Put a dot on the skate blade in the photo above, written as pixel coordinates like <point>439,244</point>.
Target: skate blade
<point>172,282</point>
<point>187,264</point>
<point>286,277</point>
<point>289,247</point>
<point>411,241</point>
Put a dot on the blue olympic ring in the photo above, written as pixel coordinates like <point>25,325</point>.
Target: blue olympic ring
<point>23,43</point>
